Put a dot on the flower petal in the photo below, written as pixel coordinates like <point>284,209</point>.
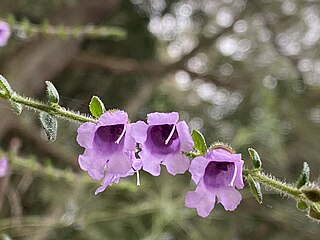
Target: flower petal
<point>176,163</point>
<point>139,131</point>
<point>162,118</point>
<point>137,165</point>
<point>201,199</point>
<point>119,163</point>
<point>229,197</point>
<point>129,141</point>
<point>113,118</point>
<point>186,142</point>
<point>107,181</point>
<point>150,163</point>
<point>93,163</point>
<point>197,168</point>
<point>85,135</point>
<point>221,155</point>
<point>239,179</point>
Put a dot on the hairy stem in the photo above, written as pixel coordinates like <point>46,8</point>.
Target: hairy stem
<point>30,165</point>
<point>273,183</point>
<point>53,109</point>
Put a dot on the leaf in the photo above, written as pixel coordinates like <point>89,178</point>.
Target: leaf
<point>256,161</point>
<point>255,188</point>
<point>16,107</point>
<point>199,142</point>
<point>5,86</point>
<point>96,107</point>
<point>50,125</point>
<point>304,175</point>
<point>52,93</point>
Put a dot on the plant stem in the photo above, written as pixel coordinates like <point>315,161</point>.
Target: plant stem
<point>44,28</point>
<point>53,109</point>
<point>274,183</point>
<point>30,165</point>
<point>82,31</point>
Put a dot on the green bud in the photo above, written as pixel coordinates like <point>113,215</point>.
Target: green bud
<point>199,142</point>
<point>5,86</point>
<point>255,189</point>
<point>96,107</point>
<point>302,206</point>
<point>256,161</point>
<point>52,93</point>
<point>314,211</point>
<point>50,125</point>
<point>313,194</point>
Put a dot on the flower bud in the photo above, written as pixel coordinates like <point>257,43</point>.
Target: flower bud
<point>314,212</point>
<point>313,194</point>
<point>302,206</point>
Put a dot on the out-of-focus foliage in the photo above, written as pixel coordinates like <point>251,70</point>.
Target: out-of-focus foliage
<point>243,72</point>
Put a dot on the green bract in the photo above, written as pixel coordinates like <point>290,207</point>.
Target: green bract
<point>96,107</point>
<point>50,125</point>
<point>255,189</point>
<point>256,161</point>
<point>199,142</point>
<point>304,175</point>
<point>52,93</point>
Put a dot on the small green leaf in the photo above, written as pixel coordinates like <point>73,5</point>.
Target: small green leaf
<point>5,86</point>
<point>16,107</point>
<point>199,142</point>
<point>255,189</point>
<point>96,107</point>
<point>313,194</point>
<point>304,175</point>
<point>314,211</point>
<point>256,161</point>
<point>50,125</point>
<point>302,206</point>
<point>52,93</point>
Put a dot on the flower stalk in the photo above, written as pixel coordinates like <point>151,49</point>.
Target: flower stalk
<point>65,32</point>
<point>270,181</point>
<point>70,115</point>
<point>31,165</point>
<point>64,113</point>
<point>165,140</point>
<point>53,109</point>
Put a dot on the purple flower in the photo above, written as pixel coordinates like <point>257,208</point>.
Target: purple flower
<point>4,33</point>
<point>4,165</point>
<point>162,140</point>
<point>217,174</point>
<point>109,148</point>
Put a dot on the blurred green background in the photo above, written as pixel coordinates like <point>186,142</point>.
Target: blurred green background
<point>243,72</point>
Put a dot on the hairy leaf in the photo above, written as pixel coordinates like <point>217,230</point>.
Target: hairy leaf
<point>199,142</point>
<point>96,107</point>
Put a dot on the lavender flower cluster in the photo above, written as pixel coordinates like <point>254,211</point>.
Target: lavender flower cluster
<point>115,148</point>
